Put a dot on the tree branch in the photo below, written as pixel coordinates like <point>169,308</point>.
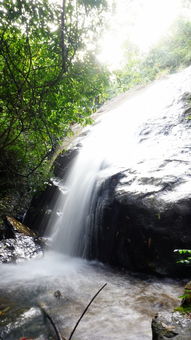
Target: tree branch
<point>85,310</point>
<point>57,332</point>
<point>62,38</point>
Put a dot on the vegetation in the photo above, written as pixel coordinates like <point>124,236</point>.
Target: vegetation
<point>170,54</point>
<point>49,80</point>
<point>185,255</point>
<point>185,306</point>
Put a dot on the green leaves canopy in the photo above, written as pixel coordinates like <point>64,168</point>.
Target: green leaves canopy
<point>48,79</point>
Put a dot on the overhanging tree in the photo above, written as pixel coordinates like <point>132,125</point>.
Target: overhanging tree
<point>49,78</point>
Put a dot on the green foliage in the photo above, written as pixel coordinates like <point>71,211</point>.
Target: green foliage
<point>47,84</point>
<point>186,254</point>
<point>183,310</point>
<point>183,251</point>
<point>170,54</point>
<point>173,51</point>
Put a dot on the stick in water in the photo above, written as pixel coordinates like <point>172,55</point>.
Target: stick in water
<point>85,310</point>
<point>57,332</point>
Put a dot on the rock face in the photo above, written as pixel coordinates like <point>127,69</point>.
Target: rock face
<point>41,208</point>
<point>140,231</point>
<point>142,211</point>
<point>146,208</point>
<point>18,243</point>
<point>171,325</point>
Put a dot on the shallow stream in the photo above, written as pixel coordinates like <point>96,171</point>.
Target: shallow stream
<point>123,310</point>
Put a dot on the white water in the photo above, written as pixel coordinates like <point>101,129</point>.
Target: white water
<point>123,311</point>
<point>114,143</point>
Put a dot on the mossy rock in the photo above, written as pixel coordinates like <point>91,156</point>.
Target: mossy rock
<point>21,228</point>
<point>186,298</point>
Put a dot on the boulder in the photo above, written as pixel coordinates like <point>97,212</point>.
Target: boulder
<point>141,211</point>
<point>41,208</point>
<point>137,231</point>
<point>168,325</point>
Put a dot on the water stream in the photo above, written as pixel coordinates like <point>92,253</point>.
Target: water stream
<point>116,142</point>
<point>124,309</point>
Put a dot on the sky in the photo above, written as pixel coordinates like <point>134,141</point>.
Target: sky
<point>143,22</point>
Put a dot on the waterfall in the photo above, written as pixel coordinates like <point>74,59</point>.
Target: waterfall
<point>78,190</point>
<point>113,143</point>
<point>77,194</point>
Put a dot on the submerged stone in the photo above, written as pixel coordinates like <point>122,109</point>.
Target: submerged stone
<point>24,323</point>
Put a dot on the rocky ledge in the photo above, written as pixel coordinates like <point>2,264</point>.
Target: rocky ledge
<point>18,243</point>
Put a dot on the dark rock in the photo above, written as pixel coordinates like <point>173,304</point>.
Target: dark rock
<point>63,161</point>
<point>6,231</point>
<point>39,212</point>
<point>138,231</point>
<point>57,294</point>
<point>41,207</point>
<point>142,213</point>
<point>168,325</point>
<point>23,322</point>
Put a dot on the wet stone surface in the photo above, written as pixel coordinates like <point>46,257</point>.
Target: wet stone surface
<point>64,286</point>
<point>171,325</point>
<point>18,249</point>
<point>141,209</point>
<point>17,322</point>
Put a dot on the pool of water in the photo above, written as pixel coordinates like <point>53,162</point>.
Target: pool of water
<point>122,311</point>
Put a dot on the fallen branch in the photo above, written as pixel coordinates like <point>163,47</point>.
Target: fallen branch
<point>57,332</point>
<point>59,336</point>
<point>85,310</point>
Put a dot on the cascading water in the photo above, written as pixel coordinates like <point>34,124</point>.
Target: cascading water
<point>112,144</point>
<point>125,309</point>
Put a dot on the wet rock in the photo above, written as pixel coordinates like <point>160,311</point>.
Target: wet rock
<point>142,211</point>
<point>9,311</point>
<point>171,325</point>
<point>40,210</point>
<point>63,161</point>
<point>19,319</point>
<point>19,249</point>
<point>57,294</point>
<point>186,301</point>
<point>24,323</point>
<point>6,231</point>
<point>139,232</point>
<point>20,227</point>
